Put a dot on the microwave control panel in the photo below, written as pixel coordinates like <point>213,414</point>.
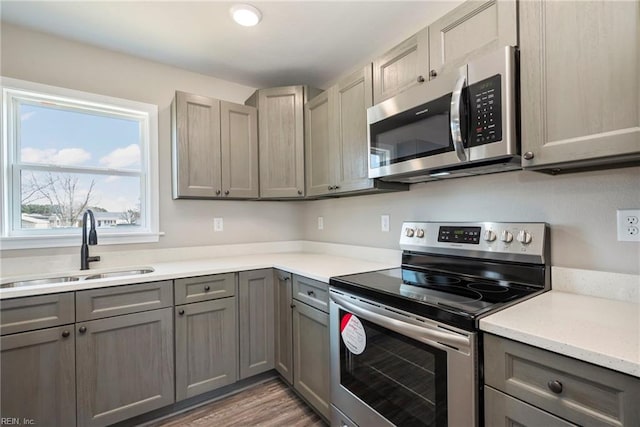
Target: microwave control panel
<point>485,113</point>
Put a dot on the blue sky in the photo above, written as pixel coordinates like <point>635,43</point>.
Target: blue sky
<point>54,136</point>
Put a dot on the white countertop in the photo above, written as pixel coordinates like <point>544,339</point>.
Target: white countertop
<point>315,266</point>
<point>601,331</point>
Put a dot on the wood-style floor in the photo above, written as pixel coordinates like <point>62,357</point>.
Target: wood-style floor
<point>269,404</point>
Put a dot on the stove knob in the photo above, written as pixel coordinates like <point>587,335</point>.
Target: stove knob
<point>419,233</point>
<point>409,232</point>
<point>489,236</point>
<point>524,237</point>
<point>506,236</point>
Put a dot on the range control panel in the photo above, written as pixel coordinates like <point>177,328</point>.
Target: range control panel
<point>499,240</point>
<point>485,112</point>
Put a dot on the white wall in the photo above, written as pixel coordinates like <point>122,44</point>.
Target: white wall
<point>41,58</point>
<point>580,208</point>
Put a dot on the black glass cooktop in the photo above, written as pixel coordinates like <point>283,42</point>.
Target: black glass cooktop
<point>453,298</point>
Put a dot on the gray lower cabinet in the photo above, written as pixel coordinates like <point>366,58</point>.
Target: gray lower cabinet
<point>580,83</point>
<point>283,328</point>
<point>38,377</point>
<point>311,355</point>
<point>206,346</point>
<point>504,410</point>
<point>256,321</point>
<point>124,366</point>
<point>575,391</point>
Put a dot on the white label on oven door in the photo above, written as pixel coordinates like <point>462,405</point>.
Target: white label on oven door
<point>353,334</point>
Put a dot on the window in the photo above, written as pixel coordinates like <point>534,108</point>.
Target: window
<point>64,152</point>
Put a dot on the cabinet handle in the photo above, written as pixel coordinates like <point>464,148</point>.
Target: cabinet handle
<point>226,192</point>
<point>207,288</point>
<point>336,187</point>
<point>181,312</point>
<point>433,73</point>
<point>292,306</point>
<point>330,188</point>
<point>287,278</point>
<point>555,386</point>
<point>420,79</point>
<point>82,329</point>
<point>311,293</point>
<point>65,334</point>
<point>528,155</point>
<point>217,192</point>
<point>300,192</point>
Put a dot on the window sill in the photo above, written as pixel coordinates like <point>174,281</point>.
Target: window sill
<point>38,242</point>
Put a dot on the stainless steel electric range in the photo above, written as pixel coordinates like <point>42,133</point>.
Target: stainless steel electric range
<point>405,346</point>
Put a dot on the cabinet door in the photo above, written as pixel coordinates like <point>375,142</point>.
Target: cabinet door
<point>471,29</point>
<point>317,140</point>
<point>196,146</point>
<point>38,377</point>
<point>239,146</point>
<point>206,349</point>
<point>256,313</point>
<point>580,82</point>
<point>124,366</point>
<point>402,67</point>
<point>352,96</point>
<point>311,356</point>
<point>281,142</point>
<point>283,325</point>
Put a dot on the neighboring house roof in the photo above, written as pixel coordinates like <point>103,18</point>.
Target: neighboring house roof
<point>35,218</point>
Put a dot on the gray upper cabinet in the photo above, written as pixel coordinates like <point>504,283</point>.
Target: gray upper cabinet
<point>38,376</point>
<point>283,324</point>
<point>580,83</point>
<point>404,66</point>
<point>336,147</point>
<point>206,346</point>
<point>124,366</point>
<point>239,144</point>
<point>196,146</point>
<point>215,148</point>
<point>471,29</point>
<point>318,139</point>
<point>256,321</point>
<point>281,140</point>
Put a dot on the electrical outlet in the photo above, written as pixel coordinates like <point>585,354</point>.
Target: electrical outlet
<point>320,223</point>
<point>384,223</point>
<point>218,224</point>
<point>628,227</point>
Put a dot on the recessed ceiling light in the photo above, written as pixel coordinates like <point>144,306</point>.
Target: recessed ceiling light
<point>246,15</point>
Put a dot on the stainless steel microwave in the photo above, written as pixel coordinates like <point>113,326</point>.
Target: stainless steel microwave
<point>462,123</point>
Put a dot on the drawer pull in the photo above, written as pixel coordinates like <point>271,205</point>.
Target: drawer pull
<point>82,329</point>
<point>207,288</point>
<point>65,334</point>
<point>311,293</point>
<point>181,312</point>
<point>555,386</point>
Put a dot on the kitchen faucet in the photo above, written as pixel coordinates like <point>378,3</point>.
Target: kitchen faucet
<point>85,259</point>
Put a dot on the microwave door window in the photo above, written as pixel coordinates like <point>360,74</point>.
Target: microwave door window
<point>420,132</point>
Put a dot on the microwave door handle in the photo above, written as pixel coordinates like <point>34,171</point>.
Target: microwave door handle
<point>454,123</point>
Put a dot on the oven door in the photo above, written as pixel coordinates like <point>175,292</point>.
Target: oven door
<point>389,367</point>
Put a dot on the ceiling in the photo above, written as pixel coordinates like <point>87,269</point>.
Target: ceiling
<point>297,42</point>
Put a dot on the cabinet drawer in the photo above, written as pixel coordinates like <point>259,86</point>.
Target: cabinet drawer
<point>503,410</point>
<point>203,288</point>
<point>584,393</point>
<point>311,292</point>
<point>27,314</point>
<point>118,300</point>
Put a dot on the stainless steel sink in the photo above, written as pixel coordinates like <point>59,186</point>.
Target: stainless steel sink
<point>111,274</point>
<point>65,279</point>
<point>46,281</point>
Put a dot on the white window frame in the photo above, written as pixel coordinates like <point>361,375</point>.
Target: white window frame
<point>11,235</point>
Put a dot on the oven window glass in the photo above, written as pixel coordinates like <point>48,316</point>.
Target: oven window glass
<point>419,132</point>
<point>404,380</point>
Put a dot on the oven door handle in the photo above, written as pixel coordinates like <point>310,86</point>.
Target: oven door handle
<point>419,333</point>
<point>454,123</point>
